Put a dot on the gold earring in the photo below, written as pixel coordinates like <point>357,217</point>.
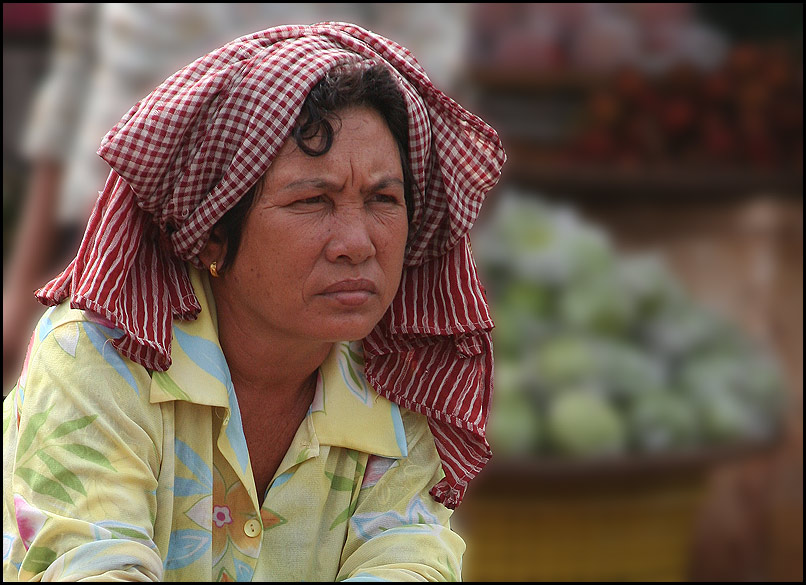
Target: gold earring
<point>214,270</point>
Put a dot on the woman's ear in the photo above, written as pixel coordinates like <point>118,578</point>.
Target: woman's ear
<point>215,250</point>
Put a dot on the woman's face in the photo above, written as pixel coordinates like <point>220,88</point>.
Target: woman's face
<point>322,251</point>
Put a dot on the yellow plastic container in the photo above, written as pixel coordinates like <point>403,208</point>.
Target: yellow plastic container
<point>617,520</point>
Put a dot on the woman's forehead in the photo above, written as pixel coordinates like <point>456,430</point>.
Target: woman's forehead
<point>361,137</point>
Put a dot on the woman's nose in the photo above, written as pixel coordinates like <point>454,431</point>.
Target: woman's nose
<point>350,239</point>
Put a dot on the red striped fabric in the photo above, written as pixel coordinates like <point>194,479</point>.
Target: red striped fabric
<point>187,152</point>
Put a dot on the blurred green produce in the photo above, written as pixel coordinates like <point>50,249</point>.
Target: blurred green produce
<point>600,353</point>
<point>582,422</point>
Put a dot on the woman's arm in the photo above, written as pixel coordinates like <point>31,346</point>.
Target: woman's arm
<point>81,450</point>
<point>398,532</point>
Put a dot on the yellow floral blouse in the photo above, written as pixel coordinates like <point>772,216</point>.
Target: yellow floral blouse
<point>116,472</point>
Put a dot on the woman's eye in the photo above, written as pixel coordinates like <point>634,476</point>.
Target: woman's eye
<point>380,198</point>
<point>311,200</point>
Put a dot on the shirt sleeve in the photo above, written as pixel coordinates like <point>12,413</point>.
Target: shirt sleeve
<point>398,532</point>
<point>81,451</point>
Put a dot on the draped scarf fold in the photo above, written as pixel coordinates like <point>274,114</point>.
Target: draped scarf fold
<point>187,152</point>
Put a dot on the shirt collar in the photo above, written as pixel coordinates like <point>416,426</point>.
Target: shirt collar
<point>345,412</point>
<point>199,371</point>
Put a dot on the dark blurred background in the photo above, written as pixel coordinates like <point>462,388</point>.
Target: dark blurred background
<point>663,135</point>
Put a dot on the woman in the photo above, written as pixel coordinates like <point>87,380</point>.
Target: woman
<point>275,361</point>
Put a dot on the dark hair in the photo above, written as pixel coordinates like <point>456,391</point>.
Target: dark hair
<point>343,87</point>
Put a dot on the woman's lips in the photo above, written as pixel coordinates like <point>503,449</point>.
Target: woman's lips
<point>351,292</point>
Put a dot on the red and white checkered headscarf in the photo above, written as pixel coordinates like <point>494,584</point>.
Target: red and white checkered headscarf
<point>190,150</point>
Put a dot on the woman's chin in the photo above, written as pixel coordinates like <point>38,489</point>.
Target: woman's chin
<point>347,323</point>
<point>347,332</point>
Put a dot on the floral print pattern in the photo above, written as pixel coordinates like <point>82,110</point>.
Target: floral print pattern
<point>221,516</point>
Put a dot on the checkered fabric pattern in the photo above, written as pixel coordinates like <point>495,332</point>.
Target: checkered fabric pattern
<point>187,152</point>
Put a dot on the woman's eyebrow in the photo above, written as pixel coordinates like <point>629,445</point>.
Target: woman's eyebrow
<point>324,184</point>
<point>316,183</point>
<point>383,184</point>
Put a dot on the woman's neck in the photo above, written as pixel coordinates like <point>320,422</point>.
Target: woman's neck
<point>265,365</point>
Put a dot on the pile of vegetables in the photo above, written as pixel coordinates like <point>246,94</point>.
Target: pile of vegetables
<point>603,353</point>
